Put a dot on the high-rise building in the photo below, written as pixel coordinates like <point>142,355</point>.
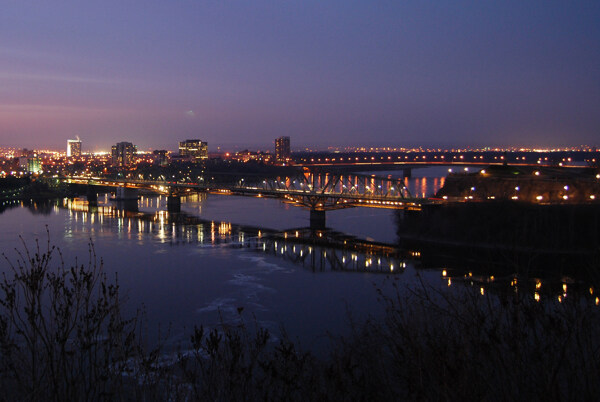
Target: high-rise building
<point>123,153</point>
<point>30,162</point>
<point>34,164</point>
<point>161,157</point>
<point>282,149</point>
<point>194,149</point>
<point>74,148</point>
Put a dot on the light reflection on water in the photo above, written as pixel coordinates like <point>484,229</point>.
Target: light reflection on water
<point>195,270</point>
<point>315,250</point>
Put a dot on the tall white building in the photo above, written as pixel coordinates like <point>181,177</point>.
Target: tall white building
<point>74,148</point>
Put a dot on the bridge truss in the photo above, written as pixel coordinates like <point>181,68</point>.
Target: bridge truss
<point>328,191</point>
<point>315,191</point>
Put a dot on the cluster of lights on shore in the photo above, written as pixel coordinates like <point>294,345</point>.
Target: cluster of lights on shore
<point>514,284</point>
<point>565,197</point>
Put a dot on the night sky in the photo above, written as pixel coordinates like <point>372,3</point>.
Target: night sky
<point>240,73</point>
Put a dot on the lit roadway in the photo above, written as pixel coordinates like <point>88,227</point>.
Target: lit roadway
<point>408,159</point>
<point>316,192</point>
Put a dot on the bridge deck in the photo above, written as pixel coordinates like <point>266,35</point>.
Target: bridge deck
<point>325,192</point>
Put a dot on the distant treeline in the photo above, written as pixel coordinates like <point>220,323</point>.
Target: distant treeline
<point>27,188</point>
<point>12,182</point>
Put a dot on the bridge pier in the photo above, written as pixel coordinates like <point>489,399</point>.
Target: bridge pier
<point>126,194</point>
<point>317,219</point>
<point>407,173</point>
<point>174,203</point>
<point>127,205</point>
<point>126,199</point>
<point>92,196</point>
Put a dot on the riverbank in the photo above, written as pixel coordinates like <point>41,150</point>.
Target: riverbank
<point>506,237</point>
<point>540,185</point>
<point>29,188</point>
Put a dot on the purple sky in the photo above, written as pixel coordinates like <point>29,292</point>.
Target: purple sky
<point>398,73</point>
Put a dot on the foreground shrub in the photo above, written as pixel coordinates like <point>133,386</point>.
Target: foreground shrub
<point>438,345</point>
<point>62,336</point>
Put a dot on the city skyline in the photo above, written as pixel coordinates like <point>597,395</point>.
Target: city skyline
<point>324,74</point>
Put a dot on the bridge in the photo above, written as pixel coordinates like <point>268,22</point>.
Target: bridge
<point>407,160</point>
<point>316,192</point>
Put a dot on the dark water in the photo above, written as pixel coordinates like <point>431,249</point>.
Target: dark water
<point>201,271</point>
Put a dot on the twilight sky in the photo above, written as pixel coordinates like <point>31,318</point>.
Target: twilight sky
<point>324,72</point>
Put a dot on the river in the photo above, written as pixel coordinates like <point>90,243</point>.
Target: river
<point>224,257</point>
